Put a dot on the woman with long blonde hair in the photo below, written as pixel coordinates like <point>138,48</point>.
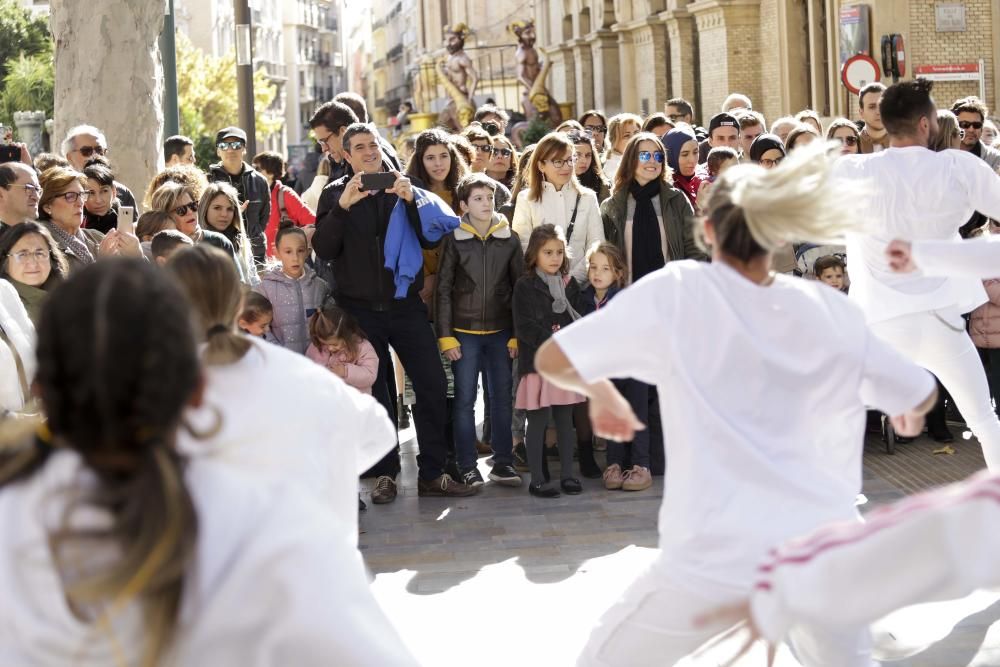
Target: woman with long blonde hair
<point>743,473</point>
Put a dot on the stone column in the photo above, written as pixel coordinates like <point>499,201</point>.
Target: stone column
<point>729,53</point>
<point>683,55</point>
<point>627,66</point>
<point>584,62</point>
<point>607,78</point>
<point>108,74</point>
<point>29,129</point>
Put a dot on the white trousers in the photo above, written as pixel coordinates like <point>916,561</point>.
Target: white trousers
<point>940,344</point>
<point>652,625</point>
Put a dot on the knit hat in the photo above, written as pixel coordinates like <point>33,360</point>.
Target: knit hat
<point>674,141</point>
<point>763,144</point>
<point>722,120</point>
<point>231,132</point>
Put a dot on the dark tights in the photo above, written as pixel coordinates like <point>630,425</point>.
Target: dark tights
<point>538,420</point>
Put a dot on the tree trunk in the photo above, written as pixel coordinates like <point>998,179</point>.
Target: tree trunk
<point>109,74</point>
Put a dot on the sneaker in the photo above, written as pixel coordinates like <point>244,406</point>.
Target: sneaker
<point>613,477</point>
<point>637,478</point>
<point>520,457</point>
<point>384,491</point>
<point>472,477</point>
<point>402,414</point>
<point>505,475</point>
<point>444,486</point>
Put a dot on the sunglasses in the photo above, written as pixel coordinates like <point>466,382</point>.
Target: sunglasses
<point>848,141</point>
<point>72,197</point>
<point>181,210</point>
<point>483,148</point>
<point>236,145</point>
<point>503,152</point>
<point>646,156</point>
<point>88,151</point>
<point>967,124</point>
<point>598,129</point>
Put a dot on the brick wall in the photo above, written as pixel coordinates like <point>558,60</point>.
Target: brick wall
<point>771,104</point>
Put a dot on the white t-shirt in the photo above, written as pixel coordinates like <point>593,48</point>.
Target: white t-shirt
<point>288,418</point>
<point>916,194</point>
<point>763,426</point>
<point>275,579</point>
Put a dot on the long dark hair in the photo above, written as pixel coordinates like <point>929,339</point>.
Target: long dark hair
<point>117,364</point>
<point>58,268</point>
<point>593,178</point>
<point>434,137</point>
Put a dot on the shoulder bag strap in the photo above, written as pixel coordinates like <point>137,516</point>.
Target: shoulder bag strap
<point>572,219</point>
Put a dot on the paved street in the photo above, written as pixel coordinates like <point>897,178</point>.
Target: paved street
<point>503,574</point>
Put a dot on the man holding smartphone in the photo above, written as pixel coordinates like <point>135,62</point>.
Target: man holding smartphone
<point>351,225</point>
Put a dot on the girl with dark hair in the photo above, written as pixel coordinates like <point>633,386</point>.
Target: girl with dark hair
<point>219,211</point>
<point>123,551</point>
<point>32,263</point>
<point>681,145</point>
<point>736,485</point>
<point>503,165</point>
<point>101,208</point>
<point>596,123</point>
<point>436,163</point>
<point>588,165</point>
<point>545,299</point>
<point>846,132</point>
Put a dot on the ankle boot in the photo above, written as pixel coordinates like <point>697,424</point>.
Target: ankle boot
<point>588,466</point>
<point>402,414</point>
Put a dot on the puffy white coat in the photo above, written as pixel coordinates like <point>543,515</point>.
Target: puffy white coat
<point>556,208</point>
<point>20,331</point>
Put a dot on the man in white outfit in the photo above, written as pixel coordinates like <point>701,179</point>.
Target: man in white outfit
<point>919,194</point>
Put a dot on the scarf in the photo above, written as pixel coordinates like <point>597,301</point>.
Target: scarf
<point>72,242</point>
<point>557,289</point>
<point>689,186</point>
<point>647,245</point>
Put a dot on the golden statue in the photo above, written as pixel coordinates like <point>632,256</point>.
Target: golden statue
<point>459,77</point>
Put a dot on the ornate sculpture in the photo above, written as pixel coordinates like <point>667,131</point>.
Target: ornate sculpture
<point>535,99</point>
<point>459,77</point>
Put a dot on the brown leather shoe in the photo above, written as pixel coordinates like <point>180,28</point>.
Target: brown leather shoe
<point>444,486</point>
<point>482,448</point>
<point>384,491</point>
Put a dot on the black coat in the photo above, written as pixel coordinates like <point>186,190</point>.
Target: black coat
<point>354,242</point>
<point>476,278</point>
<point>534,321</point>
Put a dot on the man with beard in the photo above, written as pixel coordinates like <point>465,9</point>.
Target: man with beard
<point>459,77</point>
<point>917,194</point>
<point>535,99</point>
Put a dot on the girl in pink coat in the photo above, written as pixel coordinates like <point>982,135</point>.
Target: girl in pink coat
<point>339,344</point>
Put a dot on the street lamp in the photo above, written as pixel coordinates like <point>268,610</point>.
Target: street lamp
<point>244,72</point>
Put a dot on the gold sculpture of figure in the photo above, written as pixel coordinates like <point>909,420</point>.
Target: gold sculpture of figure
<point>459,77</point>
<point>535,99</point>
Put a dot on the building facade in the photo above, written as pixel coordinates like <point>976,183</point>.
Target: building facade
<point>785,54</point>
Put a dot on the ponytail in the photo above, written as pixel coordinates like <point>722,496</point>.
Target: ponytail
<point>755,211</point>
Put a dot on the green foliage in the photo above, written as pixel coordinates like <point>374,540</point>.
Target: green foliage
<point>26,67</point>
<point>537,128</point>
<point>208,100</point>
<point>20,33</point>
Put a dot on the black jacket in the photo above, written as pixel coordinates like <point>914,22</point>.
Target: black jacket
<point>534,321</point>
<point>476,277</point>
<point>588,304</point>
<point>354,241</point>
<point>253,188</point>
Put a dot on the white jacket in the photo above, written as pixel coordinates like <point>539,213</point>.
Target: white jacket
<point>21,332</point>
<point>275,579</point>
<point>935,546</point>
<point>311,196</point>
<point>556,208</point>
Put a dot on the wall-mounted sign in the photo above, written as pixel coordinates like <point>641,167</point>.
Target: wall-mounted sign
<point>855,31</point>
<point>858,72</point>
<point>949,17</point>
<point>964,72</point>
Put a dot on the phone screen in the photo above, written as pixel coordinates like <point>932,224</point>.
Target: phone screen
<point>9,153</point>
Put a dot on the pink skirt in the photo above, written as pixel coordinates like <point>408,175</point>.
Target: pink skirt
<point>535,393</point>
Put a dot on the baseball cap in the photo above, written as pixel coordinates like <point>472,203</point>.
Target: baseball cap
<point>722,120</point>
<point>231,132</point>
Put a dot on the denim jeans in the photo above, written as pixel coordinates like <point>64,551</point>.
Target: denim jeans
<point>487,352</point>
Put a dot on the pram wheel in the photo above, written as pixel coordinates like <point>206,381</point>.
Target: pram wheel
<point>888,435</point>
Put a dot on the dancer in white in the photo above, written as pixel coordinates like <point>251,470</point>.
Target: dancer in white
<point>116,550</point>
<point>915,193</point>
<point>766,424</point>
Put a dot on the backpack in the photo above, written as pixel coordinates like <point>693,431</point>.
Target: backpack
<point>283,219</point>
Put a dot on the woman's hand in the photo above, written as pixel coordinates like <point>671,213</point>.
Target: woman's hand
<point>129,245</point>
<point>109,244</point>
<point>900,254</point>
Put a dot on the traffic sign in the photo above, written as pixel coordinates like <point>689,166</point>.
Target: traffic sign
<point>859,71</point>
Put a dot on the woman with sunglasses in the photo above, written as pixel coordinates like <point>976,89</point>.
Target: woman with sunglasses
<point>846,132</point>
<point>596,123</point>
<point>61,212</point>
<point>503,166</point>
<point>682,158</point>
<point>178,201</point>
<point>553,195</point>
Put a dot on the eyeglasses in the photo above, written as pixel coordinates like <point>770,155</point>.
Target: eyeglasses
<point>29,188</point>
<point>26,256</point>
<point>322,141</point>
<point>847,141</point>
<point>88,151</point>
<point>597,129</point>
<point>483,148</point>
<point>71,197</point>
<point>235,145</point>
<point>181,210</point>
<point>559,164</point>
<point>646,156</point>
<point>503,152</point>
<point>767,163</point>
<point>967,124</point>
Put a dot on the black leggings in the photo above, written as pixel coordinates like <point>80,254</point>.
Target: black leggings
<point>538,420</point>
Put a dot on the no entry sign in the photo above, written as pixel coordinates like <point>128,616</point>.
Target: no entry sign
<point>859,71</point>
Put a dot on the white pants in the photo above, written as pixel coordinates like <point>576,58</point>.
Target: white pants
<point>652,625</point>
<point>948,352</point>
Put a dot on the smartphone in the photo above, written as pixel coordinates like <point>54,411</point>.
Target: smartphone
<point>383,180</point>
<point>8,151</point>
<point>126,220</point>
